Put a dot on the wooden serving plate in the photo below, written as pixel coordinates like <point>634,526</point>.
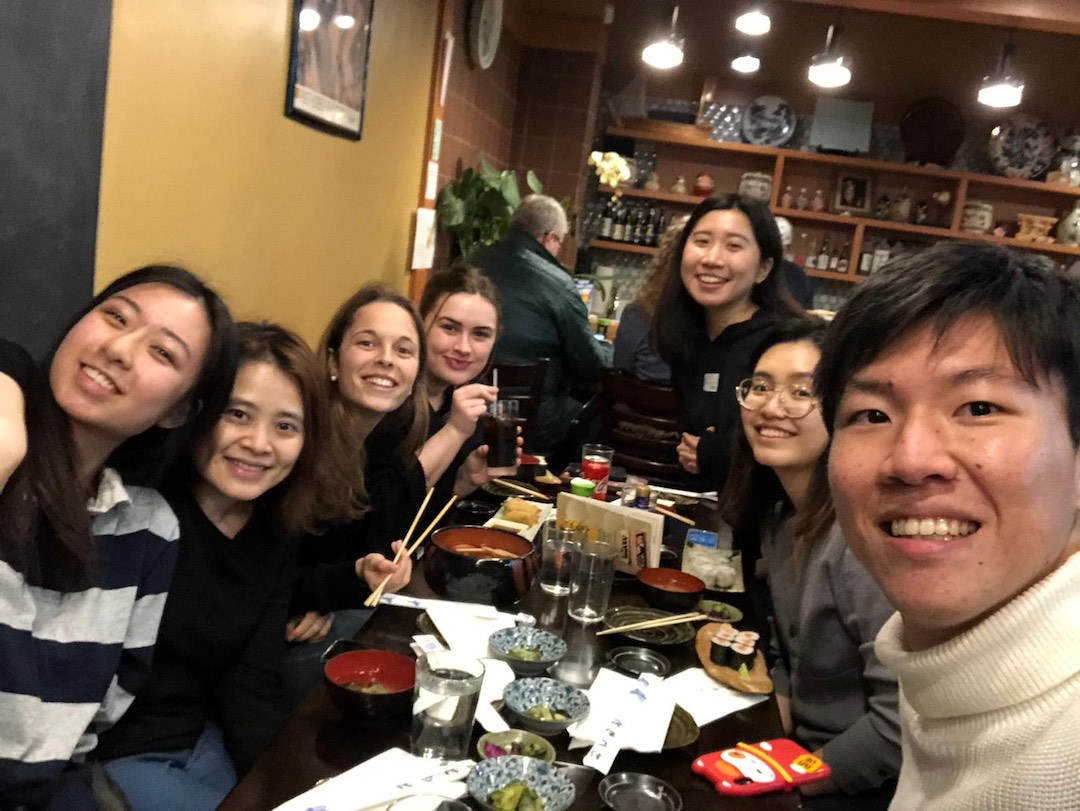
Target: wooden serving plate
<point>759,681</point>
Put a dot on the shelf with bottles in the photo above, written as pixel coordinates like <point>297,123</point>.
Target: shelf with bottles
<point>663,196</point>
<point>626,247</point>
<point>630,224</point>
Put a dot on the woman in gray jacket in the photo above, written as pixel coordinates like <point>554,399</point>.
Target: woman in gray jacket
<point>835,696</point>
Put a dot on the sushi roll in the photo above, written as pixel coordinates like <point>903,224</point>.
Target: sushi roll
<point>720,650</point>
<point>747,638</point>
<point>741,654</point>
<point>726,631</point>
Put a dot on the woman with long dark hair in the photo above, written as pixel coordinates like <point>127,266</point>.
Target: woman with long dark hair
<point>264,475</point>
<point>835,695</point>
<point>137,373</point>
<point>720,299</point>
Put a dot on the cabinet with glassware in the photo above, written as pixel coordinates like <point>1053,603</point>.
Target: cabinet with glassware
<point>849,215</point>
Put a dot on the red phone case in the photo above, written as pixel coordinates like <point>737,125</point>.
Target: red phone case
<point>747,769</point>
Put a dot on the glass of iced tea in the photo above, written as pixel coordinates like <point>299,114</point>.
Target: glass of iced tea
<point>500,433</point>
<point>596,467</point>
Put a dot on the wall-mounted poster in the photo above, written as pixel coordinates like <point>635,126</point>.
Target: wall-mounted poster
<point>328,65</point>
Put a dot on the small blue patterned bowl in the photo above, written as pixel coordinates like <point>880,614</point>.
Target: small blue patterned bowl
<point>554,788</point>
<point>522,695</point>
<point>551,648</point>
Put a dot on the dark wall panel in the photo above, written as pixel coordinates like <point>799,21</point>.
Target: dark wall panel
<point>53,64</point>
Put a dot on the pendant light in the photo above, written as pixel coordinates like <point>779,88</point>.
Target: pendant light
<point>753,22</point>
<point>746,62</point>
<point>665,52</point>
<point>1002,88</point>
<point>832,67</point>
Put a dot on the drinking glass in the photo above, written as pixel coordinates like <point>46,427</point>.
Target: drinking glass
<point>500,433</point>
<point>591,577</point>
<point>444,704</point>
<point>559,546</point>
<point>596,467</point>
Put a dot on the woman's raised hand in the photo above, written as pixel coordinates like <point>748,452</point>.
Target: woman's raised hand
<point>374,568</point>
<point>469,404</point>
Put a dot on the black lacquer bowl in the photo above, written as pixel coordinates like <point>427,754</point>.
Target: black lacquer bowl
<point>457,567</point>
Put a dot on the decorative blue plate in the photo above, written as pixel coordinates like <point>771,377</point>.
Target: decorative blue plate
<point>554,788</point>
<point>1023,146</point>
<point>550,647</point>
<point>522,695</point>
<point>768,121</point>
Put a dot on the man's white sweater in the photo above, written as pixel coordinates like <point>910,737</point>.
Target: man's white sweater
<point>991,718</point>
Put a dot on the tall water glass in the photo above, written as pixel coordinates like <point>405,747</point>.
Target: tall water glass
<point>444,704</point>
<point>559,546</point>
<point>590,581</point>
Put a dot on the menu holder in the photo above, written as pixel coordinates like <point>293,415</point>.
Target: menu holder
<point>637,534</point>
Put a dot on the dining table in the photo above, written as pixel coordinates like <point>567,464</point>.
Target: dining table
<point>318,742</point>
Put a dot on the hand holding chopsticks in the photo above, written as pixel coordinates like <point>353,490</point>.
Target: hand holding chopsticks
<point>405,549</point>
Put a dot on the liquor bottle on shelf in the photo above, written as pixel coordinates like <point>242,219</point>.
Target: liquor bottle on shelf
<point>824,253</point>
<point>802,201</point>
<point>800,248</point>
<point>834,259</point>
<point>882,254</point>
<point>866,261</point>
<point>637,230</point>
<point>650,226</point>
<point>606,220</point>
<point>618,229</point>
<point>786,199</point>
<point>818,203</point>
<point>845,252</point>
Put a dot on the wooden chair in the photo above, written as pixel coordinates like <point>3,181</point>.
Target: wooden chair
<point>524,382</point>
<point>638,421</point>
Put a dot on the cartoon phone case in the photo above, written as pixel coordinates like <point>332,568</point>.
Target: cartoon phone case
<point>747,769</point>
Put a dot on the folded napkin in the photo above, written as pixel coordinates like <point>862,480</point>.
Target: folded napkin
<point>705,698</point>
<point>497,674</point>
<point>624,713</point>
<point>468,633</point>
<point>379,781</point>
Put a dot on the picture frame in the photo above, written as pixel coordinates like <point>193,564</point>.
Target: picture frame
<point>853,193</point>
<point>328,64</point>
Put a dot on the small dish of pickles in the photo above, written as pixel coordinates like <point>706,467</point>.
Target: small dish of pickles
<point>545,706</point>
<point>515,742</point>
<point>529,651</point>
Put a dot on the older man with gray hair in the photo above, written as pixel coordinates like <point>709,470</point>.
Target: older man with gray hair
<point>543,315</point>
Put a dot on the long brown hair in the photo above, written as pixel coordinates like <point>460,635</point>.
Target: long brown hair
<point>413,413</point>
<point>323,486</point>
<point>45,528</point>
<point>753,500</point>
<point>656,275</point>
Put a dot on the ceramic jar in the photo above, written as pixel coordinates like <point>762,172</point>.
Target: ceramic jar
<point>978,217</point>
<point>1068,230</point>
<point>756,186</point>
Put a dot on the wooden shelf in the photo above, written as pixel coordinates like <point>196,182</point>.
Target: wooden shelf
<point>1010,242</point>
<point>625,247</point>
<point>835,276</point>
<point>663,196</point>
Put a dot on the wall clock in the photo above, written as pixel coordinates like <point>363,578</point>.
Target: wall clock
<point>485,28</point>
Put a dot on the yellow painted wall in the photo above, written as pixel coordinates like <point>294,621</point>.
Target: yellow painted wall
<point>201,167</point>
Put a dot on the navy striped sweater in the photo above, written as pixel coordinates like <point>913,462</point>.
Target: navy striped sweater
<point>70,663</point>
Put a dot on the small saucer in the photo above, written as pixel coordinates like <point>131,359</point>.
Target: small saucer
<point>635,660</point>
<point>633,791</point>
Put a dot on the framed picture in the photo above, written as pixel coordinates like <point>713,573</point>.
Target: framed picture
<point>853,194</point>
<point>328,64</point>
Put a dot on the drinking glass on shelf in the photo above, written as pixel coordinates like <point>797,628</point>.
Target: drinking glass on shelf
<point>591,578</point>
<point>444,704</point>
<point>596,467</point>
<point>559,546</point>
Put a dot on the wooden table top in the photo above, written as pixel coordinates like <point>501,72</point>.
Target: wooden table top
<point>318,742</point>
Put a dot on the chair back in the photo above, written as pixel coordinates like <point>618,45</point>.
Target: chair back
<point>638,421</point>
<point>524,382</point>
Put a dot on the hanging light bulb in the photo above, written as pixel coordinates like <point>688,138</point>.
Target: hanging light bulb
<point>832,67</point>
<point>746,62</point>
<point>666,52</point>
<point>1001,88</point>
<point>309,19</point>
<point>753,23</point>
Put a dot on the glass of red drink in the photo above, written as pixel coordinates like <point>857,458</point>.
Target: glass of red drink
<point>596,467</point>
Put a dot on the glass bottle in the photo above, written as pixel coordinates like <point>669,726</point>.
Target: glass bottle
<point>802,201</point>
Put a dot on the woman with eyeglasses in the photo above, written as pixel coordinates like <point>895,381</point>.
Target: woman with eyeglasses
<point>719,301</point>
<point>836,698</point>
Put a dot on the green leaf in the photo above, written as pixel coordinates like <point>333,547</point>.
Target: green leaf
<point>509,187</point>
<point>533,182</point>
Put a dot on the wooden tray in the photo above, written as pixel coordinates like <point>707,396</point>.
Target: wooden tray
<point>759,681</point>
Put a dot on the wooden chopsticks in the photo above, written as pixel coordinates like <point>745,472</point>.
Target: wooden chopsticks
<point>662,622</point>
<point>673,514</point>
<point>522,489</point>
<point>405,549</point>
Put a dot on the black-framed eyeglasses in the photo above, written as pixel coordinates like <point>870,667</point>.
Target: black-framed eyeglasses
<point>796,399</point>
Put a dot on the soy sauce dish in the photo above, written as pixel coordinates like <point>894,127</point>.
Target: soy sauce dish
<point>633,791</point>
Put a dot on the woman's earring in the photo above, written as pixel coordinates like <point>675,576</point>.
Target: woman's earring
<point>333,377</point>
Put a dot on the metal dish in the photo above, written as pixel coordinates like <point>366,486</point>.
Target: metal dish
<point>682,731</point>
<point>667,635</point>
<point>633,791</point>
<point>634,660</point>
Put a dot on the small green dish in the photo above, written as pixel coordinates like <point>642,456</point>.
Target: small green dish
<point>721,612</point>
<point>519,736</point>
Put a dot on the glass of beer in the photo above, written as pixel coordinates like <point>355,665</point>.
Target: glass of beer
<point>596,467</point>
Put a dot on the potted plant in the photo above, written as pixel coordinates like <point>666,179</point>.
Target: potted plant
<point>475,209</point>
